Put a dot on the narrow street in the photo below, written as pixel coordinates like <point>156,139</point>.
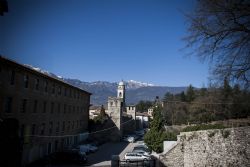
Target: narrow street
<point>103,156</point>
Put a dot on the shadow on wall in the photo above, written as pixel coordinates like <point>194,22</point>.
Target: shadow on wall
<point>102,132</point>
<point>10,143</point>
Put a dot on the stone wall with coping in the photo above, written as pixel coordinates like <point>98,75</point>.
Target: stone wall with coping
<point>218,147</point>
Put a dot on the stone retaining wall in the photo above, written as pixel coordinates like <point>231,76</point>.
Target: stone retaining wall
<point>219,147</point>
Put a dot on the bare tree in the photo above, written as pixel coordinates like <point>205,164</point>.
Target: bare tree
<point>219,32</point>
<point>3,7</point>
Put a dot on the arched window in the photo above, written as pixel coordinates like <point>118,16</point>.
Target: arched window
<point>120,94</point>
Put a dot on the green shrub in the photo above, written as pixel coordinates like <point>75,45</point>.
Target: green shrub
<point>170,136</point>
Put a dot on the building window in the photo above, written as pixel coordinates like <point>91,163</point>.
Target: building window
<point>56,145</point>
<point>58,108</point>
<point>53,88</point>
<point>22,130</point>
<point>35,106</point>
<point>58,126</point>
<point>74,109</point>
<point>26,81</point>
<point>12,77</point>
<point>63,126</point>
<point>46,86</point>
<point>69,109</point>
<point>50,127</point>
<point>49,148</point>
<point>59,90</point>
<point>42,129</point>
<point>64,108</point>
<point>73,124</point>
<point>33,130</point>
<point>70,92</point>
<point>37,84</point>
<point>65,91</point>
<point>68,128</point>
<point>52,108</point>
<point>8,105</point>
<point>23,106</point>
<point>44,106</point>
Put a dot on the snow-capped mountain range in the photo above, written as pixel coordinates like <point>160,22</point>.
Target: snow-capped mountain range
<point>101,90</point>
<point>131,84</point>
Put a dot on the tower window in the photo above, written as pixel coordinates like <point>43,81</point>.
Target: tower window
<point>120,94</point>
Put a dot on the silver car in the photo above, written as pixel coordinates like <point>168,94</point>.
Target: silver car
<point>132,156</point>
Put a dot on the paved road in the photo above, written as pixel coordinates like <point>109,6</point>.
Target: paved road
<point>103,156</point>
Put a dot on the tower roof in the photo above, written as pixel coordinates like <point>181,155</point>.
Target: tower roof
<point>121,83</point>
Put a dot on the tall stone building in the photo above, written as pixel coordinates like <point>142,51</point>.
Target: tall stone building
<point>118,112</point>
<point>116,106</point>
<point>49,114</point>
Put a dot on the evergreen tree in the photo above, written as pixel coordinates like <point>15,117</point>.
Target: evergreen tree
<point>190,94</point>
<point>168,97</point>
<point>154,137</point>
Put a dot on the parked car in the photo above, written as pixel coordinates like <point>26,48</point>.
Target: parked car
<point>130,138</point>
<point>132,156</point>
<point>92,148</point>
<point>139,133</point>
<point>87,148</point>
<point>68,156</point>
<point>142,149</point>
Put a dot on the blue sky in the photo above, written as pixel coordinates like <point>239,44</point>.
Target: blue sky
<point>105,40</point>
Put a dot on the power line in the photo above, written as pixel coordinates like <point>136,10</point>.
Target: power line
<point>87,133</point>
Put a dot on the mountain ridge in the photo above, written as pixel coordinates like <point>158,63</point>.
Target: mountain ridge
<point>101,90</point>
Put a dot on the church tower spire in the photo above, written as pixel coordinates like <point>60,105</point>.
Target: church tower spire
<point>121,91</point>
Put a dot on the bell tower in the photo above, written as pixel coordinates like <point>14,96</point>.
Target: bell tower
<point>121,91</point>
